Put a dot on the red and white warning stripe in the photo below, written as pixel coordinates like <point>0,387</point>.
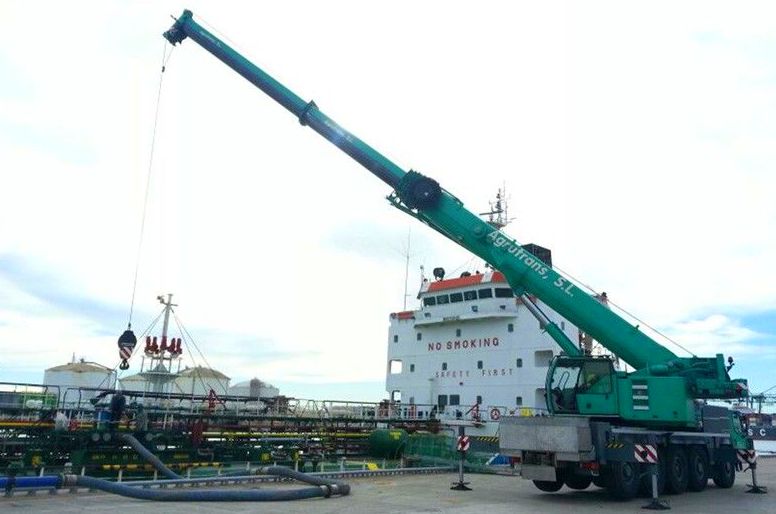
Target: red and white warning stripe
<point>125,352</point>
<point>463,443</point>
<point>747,456</point>
<point>645,453</point>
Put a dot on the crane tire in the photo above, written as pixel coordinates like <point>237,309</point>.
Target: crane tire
<point>578,482</point>
<point>676,469</point>
<point>624,479</point>
<point>724,474</point>
<point>548,486</point>
<point>697,468</point>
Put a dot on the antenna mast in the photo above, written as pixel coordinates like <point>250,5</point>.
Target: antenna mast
<point>498,215</point>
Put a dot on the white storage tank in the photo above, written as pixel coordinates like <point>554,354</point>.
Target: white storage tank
<point>134,382</point>
<point>69,377</point>
<point>254,388</point>
<point>199,380</point>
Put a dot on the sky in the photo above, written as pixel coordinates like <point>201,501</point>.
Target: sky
<point>636,140</point>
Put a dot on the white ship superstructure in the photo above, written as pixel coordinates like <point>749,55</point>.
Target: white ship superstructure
<point>471,349</point>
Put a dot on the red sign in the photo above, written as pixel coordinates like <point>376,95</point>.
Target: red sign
<point>464,344</point>
<point>463,443</point>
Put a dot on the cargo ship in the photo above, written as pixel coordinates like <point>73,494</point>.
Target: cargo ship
<point>471,351</point>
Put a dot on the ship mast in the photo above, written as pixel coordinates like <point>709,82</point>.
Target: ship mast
<point>168,305</point>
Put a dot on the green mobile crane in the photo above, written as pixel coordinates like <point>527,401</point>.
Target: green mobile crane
<point>606,412</point>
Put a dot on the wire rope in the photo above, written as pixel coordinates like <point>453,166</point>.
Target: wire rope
<point>165,60</point>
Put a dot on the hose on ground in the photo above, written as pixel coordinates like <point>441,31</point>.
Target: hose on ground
<point>147,455</point>
<point>321,487</point>
<point>208,495</point>
<point>334,486</point>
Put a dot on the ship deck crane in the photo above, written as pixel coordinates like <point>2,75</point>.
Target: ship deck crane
<point>662,393</point>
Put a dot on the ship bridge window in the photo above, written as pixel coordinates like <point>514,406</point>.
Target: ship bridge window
<point>442,299</point>
<point>469,295</point>
<point>429,300</point>
<point>420,336</point>
<point>394,366</point>
<point>456,297</point>
<point>442,401</point>
<point>485,293</point>
<point>455,399</point>
<point>395,338</point>
<point>504,292</point>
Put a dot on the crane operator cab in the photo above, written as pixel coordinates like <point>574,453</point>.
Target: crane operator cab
<point>581,385</point>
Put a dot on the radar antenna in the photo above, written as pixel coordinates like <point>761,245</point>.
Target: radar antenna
<point>498,215</point>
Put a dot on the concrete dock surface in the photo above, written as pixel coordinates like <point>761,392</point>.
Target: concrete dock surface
<point>427,493</point>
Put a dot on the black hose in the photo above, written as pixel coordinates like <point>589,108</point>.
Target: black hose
<point>196,495</point>
<point>334,486</point>
<point>323,487</point>
<point>148,455</point>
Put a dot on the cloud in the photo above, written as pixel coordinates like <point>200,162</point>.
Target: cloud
<point>718,333</point>
<point>645,164</point>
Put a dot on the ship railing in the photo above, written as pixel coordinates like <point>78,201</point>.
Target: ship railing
<point>25,401</point>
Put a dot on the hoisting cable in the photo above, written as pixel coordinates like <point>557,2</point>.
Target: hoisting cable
<point>127,340</point>
<point>621,309</point>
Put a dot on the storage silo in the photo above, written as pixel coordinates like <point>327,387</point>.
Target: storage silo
<point>72,377</point>
<point>135,382</point>
<point>254,388</point>
<point>199,380</point>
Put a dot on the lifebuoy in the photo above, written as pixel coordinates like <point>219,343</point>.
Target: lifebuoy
<point>495,414</point>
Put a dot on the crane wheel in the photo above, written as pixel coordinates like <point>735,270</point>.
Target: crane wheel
<point>548,486</point>
<point>697,468</point>
<point>676,469</point>
<point>578,482</point>
<point>624,479</point>
<point>724,474</point>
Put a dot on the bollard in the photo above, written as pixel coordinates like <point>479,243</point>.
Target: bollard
<point>655,503</point>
